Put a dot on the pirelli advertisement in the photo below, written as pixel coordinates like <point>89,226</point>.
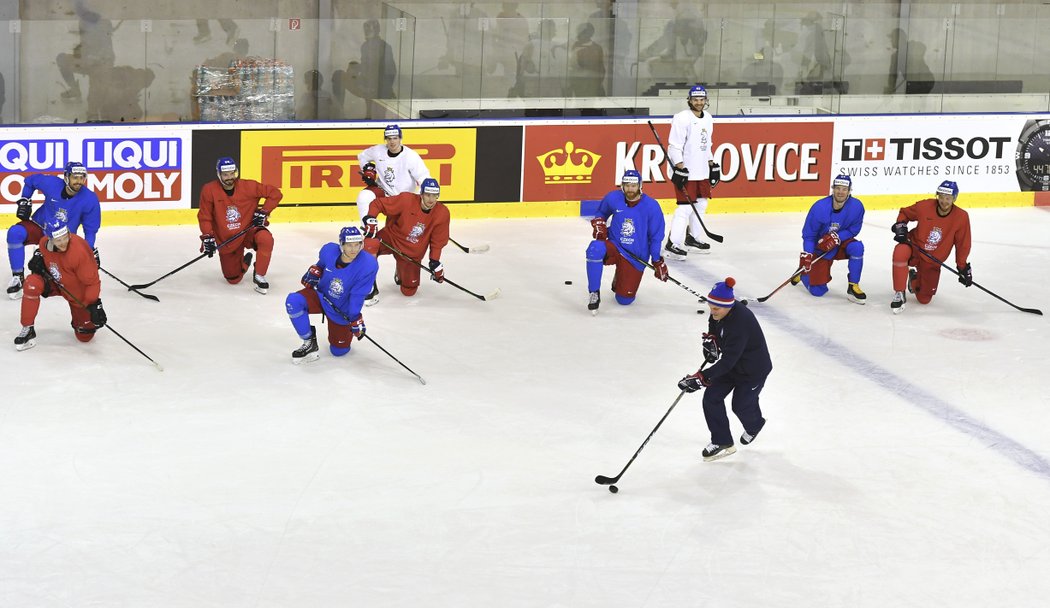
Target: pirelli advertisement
<point>521,168</point>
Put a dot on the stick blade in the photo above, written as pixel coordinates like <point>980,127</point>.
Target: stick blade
<point>1034,311</point>
<point>493,295</point>
<point>604,481</point>
<point>421,380</point>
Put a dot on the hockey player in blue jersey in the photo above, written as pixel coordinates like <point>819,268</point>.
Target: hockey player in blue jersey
<point>66,200</point>
<point>832,226</point>
<point>335,286</point>
<point>637,226</point>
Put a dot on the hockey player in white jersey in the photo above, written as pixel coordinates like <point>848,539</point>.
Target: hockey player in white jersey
<point>690,149</point>
<point>389,169</point>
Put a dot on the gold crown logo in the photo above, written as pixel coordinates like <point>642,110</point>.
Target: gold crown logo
<point>568,165</point>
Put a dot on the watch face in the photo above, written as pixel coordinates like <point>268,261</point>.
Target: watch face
<point>1033,157</point>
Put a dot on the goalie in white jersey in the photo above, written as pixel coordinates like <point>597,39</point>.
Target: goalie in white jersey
<point>389,169</point>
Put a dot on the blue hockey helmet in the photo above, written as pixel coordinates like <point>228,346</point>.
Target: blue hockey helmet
<point>698,91</point>
<point>351,234</point>
<point>842,180</point>
<point>430,186</point>
<point>949,187</point>
<point>225,163</point>
<point>631,176</point>
<point>57,228</point>
<point>74,168</point>
<point>391,131</point>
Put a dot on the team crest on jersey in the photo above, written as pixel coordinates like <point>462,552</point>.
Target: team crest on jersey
<point>834,227</point>
<point>233,217</point>
<point>627,231</point>
<point>56,274</point>
<point>416,232</point>
<point>62,215</point>
<point>388,176</point>
<point>933,241</point>
<point>335,288</point>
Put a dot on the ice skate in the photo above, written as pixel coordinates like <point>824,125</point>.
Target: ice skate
<point>26,338</point>
<point>594,301</point>
<point>897,305</point>
<point>673,251</point>
<point>373,296</point>
<point>308,351</point>
<point>14,288</point>
<point>261,284</point>
<point>913,280</point>
<point>695,244</point>
<point>855,294</point>
<point>748,438</point>
<point>715,451</point>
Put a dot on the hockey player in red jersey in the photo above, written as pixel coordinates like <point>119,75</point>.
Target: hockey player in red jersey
<point>941,226</point>
<point>62,259</point>
<point>414,224</point>
<point>228,205</point>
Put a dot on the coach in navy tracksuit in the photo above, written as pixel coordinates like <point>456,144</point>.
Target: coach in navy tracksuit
<point>737,349</point>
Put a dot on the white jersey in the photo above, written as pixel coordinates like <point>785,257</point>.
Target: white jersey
<point>691,142</point>
<point>402,173</point>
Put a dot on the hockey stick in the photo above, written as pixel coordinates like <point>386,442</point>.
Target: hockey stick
<point>478,249</point>
<point>1034,311</point>
<point>714,237</point>
<point>107,326</point>
<point>145,295</point>
<point>608,481</point>
<point>791,278</point>
<point>193,261</point>
<point>420,378</point>
<point>485,298</point>
<point>702,297</point>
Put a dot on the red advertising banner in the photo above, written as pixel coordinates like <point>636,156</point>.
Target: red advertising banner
<point>577,162</point>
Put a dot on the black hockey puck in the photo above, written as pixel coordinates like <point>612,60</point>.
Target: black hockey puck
<point>614,489</point>
<point>699,311</point>
<point>568,282</point>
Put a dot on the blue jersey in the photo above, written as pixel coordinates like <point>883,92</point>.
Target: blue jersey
<point>638,228</point>
<point>345,288</point>
<point>79,211</point>
<point>822,219</point>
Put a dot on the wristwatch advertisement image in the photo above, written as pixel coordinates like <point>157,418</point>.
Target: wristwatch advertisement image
<point>1033,156</point>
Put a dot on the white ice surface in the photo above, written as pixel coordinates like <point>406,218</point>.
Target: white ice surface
<point>906,460</point>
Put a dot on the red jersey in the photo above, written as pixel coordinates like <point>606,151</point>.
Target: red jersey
<point>75,269</point>
<point>410,229</point>
<point>223,215</point>
<point>936,234</point>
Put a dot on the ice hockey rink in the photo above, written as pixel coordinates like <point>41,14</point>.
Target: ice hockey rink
<point>906,458</point>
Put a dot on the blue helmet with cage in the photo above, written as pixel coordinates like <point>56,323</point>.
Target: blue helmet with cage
<point>351,234</point>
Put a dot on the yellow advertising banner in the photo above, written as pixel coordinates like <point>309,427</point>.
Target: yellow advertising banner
<point>320,166</point>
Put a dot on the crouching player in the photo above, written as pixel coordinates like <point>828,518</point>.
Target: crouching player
<point>637,226</point>
<point>336,287</point>
<point>63,260</point>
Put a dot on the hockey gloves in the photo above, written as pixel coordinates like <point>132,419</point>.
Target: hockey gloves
<point>208,245</point>
<point>691,384</point>
<point>369,175</point>
<point>98,260</point>
<point>679,177</point>
<point>358,327</point>
<point>900,232</point>
<point>829,241</point>
<point>36,264</point>
<point>966,275</point>
<point>710,345</point>
<point>371,225</point>
<point>98,314</point>
<point>437,271</point>
<point>312,276</point>
<point>600,231</point>
<point>716,174</point>
<point>259,219</point>
<point>660,269</point>
<point>25,209</point>
<point>805,261</point>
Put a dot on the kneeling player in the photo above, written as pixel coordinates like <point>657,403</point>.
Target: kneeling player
<point>637,227</point>
<point>335,286</point>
